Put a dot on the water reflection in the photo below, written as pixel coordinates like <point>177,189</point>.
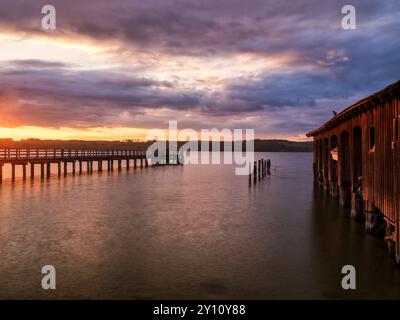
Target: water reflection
<point>187,232</point>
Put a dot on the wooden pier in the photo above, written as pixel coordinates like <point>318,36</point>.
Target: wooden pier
<point>43,158</point>
<point>357,160</point>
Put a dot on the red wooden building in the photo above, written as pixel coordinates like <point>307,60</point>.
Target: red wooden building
<point>357,160</point>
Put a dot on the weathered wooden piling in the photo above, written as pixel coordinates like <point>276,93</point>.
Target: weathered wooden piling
<point>42,170</point>
<point>32,171</point>
<point>48,169</point>
<point>255,172</point>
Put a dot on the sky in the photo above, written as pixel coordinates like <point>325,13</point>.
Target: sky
<point>114,69</point>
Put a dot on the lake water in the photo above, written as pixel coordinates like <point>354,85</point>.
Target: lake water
<point>195,231</point>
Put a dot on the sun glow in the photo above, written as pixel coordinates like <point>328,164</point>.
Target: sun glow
<point>95,133</point>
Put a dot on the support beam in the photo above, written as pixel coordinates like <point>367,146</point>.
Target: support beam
<point>48,169</point>
<point>24,171</point>
<point>59,169</point>
<point>32,171</point>
<point>1,173</point>
<point>65,168</point>
<point>13,172</point>
<point>42,170</point>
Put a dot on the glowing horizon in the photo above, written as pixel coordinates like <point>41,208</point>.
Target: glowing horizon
<point>107,74</point>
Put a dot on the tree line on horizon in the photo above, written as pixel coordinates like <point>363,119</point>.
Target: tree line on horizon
<point>260,145</point>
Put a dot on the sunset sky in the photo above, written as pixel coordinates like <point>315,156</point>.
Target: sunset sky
<point>113,69</point>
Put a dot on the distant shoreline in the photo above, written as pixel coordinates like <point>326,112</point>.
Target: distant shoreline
<point>259,145</point>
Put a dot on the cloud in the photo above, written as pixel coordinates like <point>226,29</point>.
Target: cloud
<point>329,68</point>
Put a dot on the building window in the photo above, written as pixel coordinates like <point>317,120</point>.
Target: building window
<point>372,138</point>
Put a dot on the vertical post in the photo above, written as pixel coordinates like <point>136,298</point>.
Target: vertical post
<point>59,168</point>
<point>1,173</point>
<point>127,164</point>
<point>99,166</point>
<point>255,171</point>
<point>249,174</point>
<point>134,163</point>
<point>42,170</point>
<point>259,169</point>
<point>13,172</point>
<point>65,168</point>
<point>167,157</point>
<point>32,171</point>
<point>73,167</point>
<point>24,171</point>
<point>269,167</point>
<point>48,169</point>
<point>141,162</point>
<point>264,167</point>
<point>88,166</point>
<point>119,165</point>
<point>91,166</point>
<point>80,167</point>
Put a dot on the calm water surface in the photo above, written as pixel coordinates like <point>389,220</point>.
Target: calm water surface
<point>186,232</point>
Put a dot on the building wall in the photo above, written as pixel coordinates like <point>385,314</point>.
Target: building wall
<point>379,166</point>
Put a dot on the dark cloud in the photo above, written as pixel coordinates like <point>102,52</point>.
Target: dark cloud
<point>330,67</point>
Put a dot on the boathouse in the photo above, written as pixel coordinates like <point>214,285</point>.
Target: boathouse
<point>357,160</point>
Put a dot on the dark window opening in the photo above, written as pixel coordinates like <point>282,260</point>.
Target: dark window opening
<point>371,138</point>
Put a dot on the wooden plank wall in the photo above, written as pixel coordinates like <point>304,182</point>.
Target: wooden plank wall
<point>380,167</point>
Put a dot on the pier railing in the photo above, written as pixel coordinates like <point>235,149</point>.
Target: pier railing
<point>63,154</point>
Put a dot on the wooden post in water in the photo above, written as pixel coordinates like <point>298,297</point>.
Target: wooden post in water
<point>127,164</point>
<point>134,163</point>
<point>264,167</point>
<point>32,171</point>
<point>13,172</point>
<point>59,168</point>
<point>24,171</point>
<point>48,169</point>
<point>80,167</point>
<point>1,173</point>
<point>255,172</point>
<point>269,167</point>
<point>100,166</point>
<point>42,170</point>
<point>73,167</point>
<point>249,175</point>
<point>119,165</point>
<point>65,168</point>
